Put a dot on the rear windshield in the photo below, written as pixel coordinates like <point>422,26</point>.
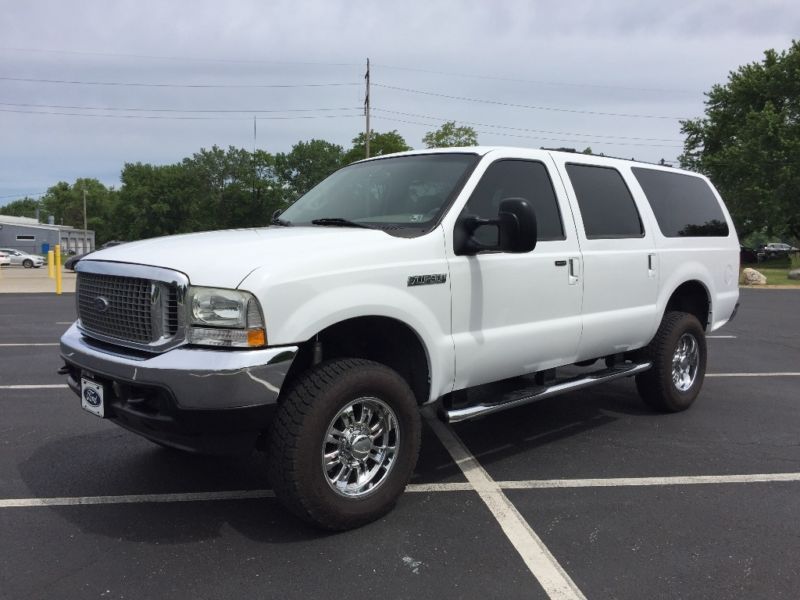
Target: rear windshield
<point>684,205</point>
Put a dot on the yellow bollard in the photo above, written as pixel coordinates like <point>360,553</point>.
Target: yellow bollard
<point>50,271</point>
<point>58,269</point>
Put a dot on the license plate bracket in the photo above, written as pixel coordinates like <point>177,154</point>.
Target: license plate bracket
<point>92,397</point>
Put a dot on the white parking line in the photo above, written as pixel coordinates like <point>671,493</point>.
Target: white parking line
<point>493,487</point>
<point>64,322</point>
<point>194,496</point>
<point>26,345</point>
<point>542,564</point>
<point>49,386</point>
<point>720,337</point>
<point>785,374</point>
<point>533,484</point>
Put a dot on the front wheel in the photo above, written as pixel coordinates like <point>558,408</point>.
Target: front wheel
<point>27,263</point>
<point>344,442</point>
<point>678,354</point>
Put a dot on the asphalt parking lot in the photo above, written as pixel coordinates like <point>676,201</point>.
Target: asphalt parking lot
<point>584,495</point>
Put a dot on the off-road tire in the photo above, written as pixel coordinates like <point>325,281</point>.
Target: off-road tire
<point>298,431</point>
<point>656,386</point>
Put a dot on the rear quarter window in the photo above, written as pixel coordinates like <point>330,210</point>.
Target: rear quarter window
<point>684,205</point>
<point>606,204</point>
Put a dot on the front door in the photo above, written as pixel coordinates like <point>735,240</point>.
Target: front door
<point>516,313</point>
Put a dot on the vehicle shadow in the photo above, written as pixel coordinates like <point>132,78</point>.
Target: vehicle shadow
<point>113,462</point>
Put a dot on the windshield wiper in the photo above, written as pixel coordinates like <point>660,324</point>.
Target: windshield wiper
<point>339,222</point>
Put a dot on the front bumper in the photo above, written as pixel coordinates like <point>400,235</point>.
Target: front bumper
<point>195,378</point>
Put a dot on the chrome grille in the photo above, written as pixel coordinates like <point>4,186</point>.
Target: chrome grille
<point>129,309</point>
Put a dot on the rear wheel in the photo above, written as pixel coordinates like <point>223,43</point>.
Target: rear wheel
<point>344,443</point>
<point>678,354</point>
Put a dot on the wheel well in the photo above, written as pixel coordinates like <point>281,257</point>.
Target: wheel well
<point>691,297</point>
<point>381,339</point>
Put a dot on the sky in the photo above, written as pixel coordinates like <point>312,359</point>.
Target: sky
<point>87,87</point>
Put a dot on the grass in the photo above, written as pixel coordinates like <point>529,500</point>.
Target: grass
<point>777,270</point>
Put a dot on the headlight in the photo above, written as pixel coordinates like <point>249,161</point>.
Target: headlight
<point>225,318</point>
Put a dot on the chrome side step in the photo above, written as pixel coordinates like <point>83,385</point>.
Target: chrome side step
<point>528,395</point>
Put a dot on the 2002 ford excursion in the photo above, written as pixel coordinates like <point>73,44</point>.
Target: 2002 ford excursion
<point>397,282</point>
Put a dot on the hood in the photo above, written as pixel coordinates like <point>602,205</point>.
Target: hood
<point>225,258</point>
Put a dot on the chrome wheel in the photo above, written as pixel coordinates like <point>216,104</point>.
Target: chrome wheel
<point>685,362</point>
<point>360,447</point>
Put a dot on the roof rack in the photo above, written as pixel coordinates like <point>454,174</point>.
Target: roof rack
<point>661,163</point>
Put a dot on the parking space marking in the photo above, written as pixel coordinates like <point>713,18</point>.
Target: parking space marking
<point>49,386</point>
<point>785,374</point>
<point>720,337</point>
<point>20,345</point>
<point>64,322</point>
<point>194,496</point>
<point>532,484</point>
<point>541,562</point>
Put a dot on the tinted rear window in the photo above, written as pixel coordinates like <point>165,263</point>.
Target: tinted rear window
<point>606,204</point>
<point>684,205</point>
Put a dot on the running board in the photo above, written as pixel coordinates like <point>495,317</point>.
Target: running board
<point>528,395</point>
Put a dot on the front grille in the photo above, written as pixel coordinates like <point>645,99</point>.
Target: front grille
<point>129,309</point>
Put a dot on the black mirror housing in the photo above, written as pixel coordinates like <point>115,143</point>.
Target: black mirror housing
<point>517,224</point>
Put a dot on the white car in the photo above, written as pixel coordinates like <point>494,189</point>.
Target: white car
<point>18,257</point>
<point>5,259</point>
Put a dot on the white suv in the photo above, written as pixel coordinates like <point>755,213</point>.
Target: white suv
<point>400,281</point>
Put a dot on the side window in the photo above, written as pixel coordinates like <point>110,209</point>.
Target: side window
<point>516,179</point>
<point>683,205</point>
<point>606,204</point>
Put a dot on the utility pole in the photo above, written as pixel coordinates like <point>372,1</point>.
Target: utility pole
<point>85,225</point>
<point>366,107</point>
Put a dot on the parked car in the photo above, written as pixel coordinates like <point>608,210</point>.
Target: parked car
<point>747,255</point>
<point>18,257</point>
<point>397,282</point>
<point>5,259</point>
<point>778,250</point>
<point>73,260</point>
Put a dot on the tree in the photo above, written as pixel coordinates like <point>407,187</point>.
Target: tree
<point>306,165</point>
<point>379,144</point>
<point>748,143</point>
<point>24,207</point>
<point>450,135</point>
<point>65,203</point>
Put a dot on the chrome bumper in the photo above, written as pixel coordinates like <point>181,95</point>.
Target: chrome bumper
<point>198,378</point>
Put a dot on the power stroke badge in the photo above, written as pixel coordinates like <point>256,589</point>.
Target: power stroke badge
<point>427,279</point>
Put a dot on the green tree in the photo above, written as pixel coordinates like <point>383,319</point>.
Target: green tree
<point>306,165</point>
<point>24,207</point>
<point>748,143</point>
<point>65,203</point>
<point>379,144</point>
<point>450,135</point>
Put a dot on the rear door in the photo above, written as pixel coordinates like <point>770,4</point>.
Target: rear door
<point>620,266</point>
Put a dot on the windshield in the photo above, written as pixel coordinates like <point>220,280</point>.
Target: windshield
<point>403,191</point>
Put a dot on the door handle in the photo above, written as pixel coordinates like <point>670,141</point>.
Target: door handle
<point>574,270</point>
<point>651,265</point>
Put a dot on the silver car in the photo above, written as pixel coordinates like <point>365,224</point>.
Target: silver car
<point>18,257</point>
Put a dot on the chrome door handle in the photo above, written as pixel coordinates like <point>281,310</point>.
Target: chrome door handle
<point>574,270</point>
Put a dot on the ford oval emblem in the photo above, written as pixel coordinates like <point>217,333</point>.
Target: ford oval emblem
<point>101,304</point>
<point>92,397</point>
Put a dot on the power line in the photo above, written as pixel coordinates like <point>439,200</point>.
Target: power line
<point>173,118</point>
<point>442,119</point>
<point>536,137</point>
<point>178,58</point>
<point>528,106</point>
<point>180,85</point>
<point>537,81</point>
<point>175,110</point>
<point>22,195</point>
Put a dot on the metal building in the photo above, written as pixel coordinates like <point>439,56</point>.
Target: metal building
<point>28,235</point>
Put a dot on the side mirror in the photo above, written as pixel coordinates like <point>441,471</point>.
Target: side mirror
<point>517,224</point>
